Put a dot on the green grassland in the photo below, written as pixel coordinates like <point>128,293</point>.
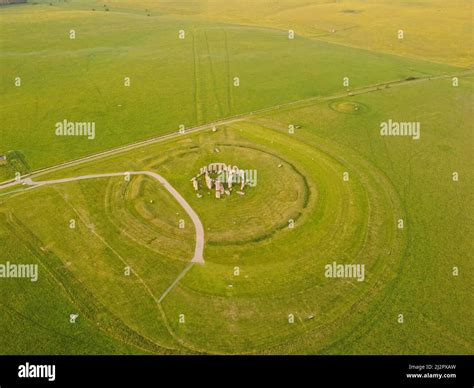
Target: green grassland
<point>436,30</point>
<point>409,271</point>
<point>173,82</point>
<point>135,223</point>
<point>366,24</point>
<point>250,232</point>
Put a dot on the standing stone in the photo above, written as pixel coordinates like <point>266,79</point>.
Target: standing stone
<point>195,184</point>
<point>208,181</point>
<point>242,179</point>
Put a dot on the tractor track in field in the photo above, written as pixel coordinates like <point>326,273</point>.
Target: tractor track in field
<point>214,84</point>
<point>227,65</point>
<point>197,106</point>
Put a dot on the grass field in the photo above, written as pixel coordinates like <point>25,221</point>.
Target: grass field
<point>173,82</point>
<point>435,30</point>
<point>259,271</point>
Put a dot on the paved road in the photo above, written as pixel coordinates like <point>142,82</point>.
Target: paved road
<point>199,248</point>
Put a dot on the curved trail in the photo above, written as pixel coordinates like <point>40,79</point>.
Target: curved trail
<point>199,248</point>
